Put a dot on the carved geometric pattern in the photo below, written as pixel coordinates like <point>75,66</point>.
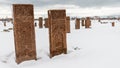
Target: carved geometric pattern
<point>24,32</point>
<point>57,32</point>
<point>77,23</point>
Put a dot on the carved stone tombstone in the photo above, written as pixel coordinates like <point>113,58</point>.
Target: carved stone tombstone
<point>68,24</point>
<point>77,23</point>
<point>113,24</point>
<point>40,22</point>
<point>46,23</point>
<point>87,22</point>
<point>57,32</point>
<point>24,32</point>
<point>83,23</point>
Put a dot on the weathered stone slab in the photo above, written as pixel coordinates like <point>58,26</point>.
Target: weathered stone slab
<point>83,22</point>
<point>68,24</point>
<point>57,32</point>
<point>46,23</point>
<point>24,32</point>
<point>77,23</point>
<point>113,24</point>
<point>40,22</point>
<point>87,22</point>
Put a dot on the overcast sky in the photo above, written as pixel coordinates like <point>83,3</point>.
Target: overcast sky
<point>73,7</point>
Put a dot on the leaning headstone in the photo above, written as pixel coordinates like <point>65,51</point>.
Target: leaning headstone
<point>24,32</point>
<point>87,22</point>
<point>57,32</point>
<point>68,24</point>
<point>77,23</point>
<point>46,24</point>
<point>40,22</point>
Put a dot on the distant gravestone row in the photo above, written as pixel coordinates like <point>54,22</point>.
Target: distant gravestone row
<point>24,32</point>
<point>84,22</point>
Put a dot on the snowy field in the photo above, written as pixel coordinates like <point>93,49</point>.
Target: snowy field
<point>98,47</point>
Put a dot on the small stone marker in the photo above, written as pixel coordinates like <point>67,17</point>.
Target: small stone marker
<point>87,22</point>
<point>40,22</point>
<point>68,24</point>
<point>77,23</point>
<point>46,23</point>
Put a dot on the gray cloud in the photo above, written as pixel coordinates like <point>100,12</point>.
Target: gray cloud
<point>81,3</point>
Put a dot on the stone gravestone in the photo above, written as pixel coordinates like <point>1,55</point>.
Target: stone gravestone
<point>57,32</point>
<point>77,23</point>
<point>113,24</point>
<point>87,22</point>
<point>40,22</point>
<point>24,32</point>
<point>4,23</point>
<point>35,24</point>
<point>67,24</point>
<point>83,23</point>
<point>46,23</point>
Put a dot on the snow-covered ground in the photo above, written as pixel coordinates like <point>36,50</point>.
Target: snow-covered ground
<point>98,47</point>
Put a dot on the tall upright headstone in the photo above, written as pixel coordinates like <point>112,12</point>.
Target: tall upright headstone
<point>40,22</point>
<point>46,24</point>
<point>24,32</point>
<point>57,32</point>
<point>87,22</point>
<point>68,24</point>
<point>77,23</point>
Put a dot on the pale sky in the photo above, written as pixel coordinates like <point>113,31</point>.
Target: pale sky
<point>73,7</point>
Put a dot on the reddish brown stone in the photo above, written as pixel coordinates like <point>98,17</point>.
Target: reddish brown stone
<point>87,22</point>
<point>113,24</point>
<point>83,23</point>
<point>46,23</point>
<point>40,22</point>
<point>24,32</point>
<point>77,23</point>
<point>68,24</point>
<point>57,32</point>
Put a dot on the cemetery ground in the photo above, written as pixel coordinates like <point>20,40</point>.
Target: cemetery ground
<point>95,47</point>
